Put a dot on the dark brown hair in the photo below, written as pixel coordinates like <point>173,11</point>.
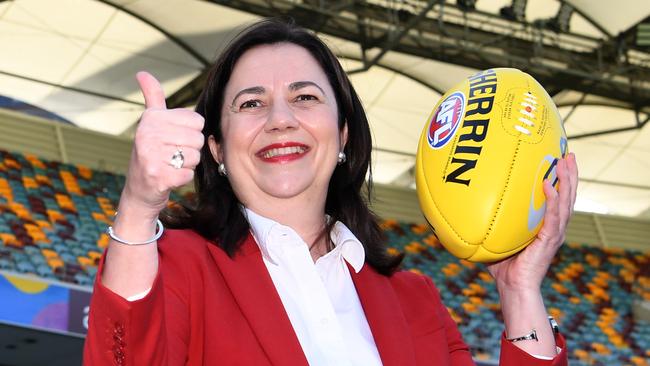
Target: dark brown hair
<point>216,214</point>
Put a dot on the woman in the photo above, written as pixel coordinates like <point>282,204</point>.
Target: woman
<point>281,262</point>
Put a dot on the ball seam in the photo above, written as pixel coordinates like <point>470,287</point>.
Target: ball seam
<point>433,201</point>
<point>503,192</point>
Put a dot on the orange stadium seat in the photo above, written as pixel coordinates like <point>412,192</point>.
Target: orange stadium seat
<point>54,216</point>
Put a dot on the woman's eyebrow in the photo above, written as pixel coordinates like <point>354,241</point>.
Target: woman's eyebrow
<point>252,90</point>
<point>303,84</point>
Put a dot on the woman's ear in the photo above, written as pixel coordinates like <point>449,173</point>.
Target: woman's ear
<point>215,149</point>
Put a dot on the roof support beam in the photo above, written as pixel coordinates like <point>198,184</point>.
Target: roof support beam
<point>71,88</point>
<point>479,40</point>
<point>177,41</point>
<point>393,39</point>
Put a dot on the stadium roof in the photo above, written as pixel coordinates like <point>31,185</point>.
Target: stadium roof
<point>77,58</point>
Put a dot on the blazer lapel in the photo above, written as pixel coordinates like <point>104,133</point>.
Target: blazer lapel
<point>383,312</point>
<point>255,293</point>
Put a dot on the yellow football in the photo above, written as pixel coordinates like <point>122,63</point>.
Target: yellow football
<point>481,161</point>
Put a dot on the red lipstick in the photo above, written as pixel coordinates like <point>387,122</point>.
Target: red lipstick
<point>282,152</point>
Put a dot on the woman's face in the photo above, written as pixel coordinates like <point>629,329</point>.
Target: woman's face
<point>279,123</point>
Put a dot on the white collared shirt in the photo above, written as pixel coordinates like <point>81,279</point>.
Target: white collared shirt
<point>319,298</point>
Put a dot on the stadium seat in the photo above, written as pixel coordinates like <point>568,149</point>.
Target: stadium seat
<point>588,289</point>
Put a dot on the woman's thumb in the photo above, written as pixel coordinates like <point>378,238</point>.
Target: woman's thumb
<point>154,96</point>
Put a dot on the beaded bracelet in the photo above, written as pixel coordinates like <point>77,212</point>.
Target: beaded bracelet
<point>159,231</point>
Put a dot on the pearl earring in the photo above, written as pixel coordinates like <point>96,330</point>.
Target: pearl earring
<point>342,158</point>
<point>222,170</point>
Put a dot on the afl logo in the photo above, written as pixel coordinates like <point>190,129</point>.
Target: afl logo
<point>445,120</point>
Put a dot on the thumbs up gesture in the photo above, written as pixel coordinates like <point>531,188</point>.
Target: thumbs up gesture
<point>165,152</point>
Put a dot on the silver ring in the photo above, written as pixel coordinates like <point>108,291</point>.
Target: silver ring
<point>177,159</point>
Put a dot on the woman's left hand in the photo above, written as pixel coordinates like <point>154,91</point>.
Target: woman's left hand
<point>526,270</point>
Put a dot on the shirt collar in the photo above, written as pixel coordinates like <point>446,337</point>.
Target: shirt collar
<point>346,244</point>
<point>349,246</point>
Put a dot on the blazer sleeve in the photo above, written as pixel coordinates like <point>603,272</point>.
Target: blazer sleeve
<point>512,355</point>
<point>150,331</point>
<point>459,352</point>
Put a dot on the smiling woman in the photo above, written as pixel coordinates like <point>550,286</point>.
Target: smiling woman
<point>280,261</point>
<point>281,137</point>
<point>281,87</point>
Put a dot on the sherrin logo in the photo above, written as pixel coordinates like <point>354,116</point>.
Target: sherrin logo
<point>445,120</point>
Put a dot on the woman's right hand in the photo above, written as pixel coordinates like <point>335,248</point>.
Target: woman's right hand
<point>160,133</point>
<point>131,269</point>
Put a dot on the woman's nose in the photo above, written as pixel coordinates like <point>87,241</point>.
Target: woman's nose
<point>281,117</point>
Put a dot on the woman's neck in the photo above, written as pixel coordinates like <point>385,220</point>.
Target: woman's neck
<point>307,220</point>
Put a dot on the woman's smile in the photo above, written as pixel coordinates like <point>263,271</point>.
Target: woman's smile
<point>282,152</point>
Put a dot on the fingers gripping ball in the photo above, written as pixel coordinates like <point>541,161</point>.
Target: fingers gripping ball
<point>482,158</point>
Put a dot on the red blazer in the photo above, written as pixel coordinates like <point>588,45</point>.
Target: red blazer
<point>206,308</point>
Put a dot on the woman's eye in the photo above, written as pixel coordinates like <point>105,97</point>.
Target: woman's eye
<point>250,104</point>
<point>305,97</point>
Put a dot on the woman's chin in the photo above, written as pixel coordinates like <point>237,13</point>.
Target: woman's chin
<point>288,188</point>
<point>284,192</point>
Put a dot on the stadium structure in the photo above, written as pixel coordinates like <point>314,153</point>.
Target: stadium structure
<point>69,106</point>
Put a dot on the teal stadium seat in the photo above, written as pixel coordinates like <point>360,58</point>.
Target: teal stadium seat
<point>592,307</point>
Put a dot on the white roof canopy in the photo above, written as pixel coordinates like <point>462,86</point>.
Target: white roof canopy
<point>77,59</point>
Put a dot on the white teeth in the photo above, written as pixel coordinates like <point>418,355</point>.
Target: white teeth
<point>283,151</point>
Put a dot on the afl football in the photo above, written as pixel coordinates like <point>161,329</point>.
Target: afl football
<point>483,155</point>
